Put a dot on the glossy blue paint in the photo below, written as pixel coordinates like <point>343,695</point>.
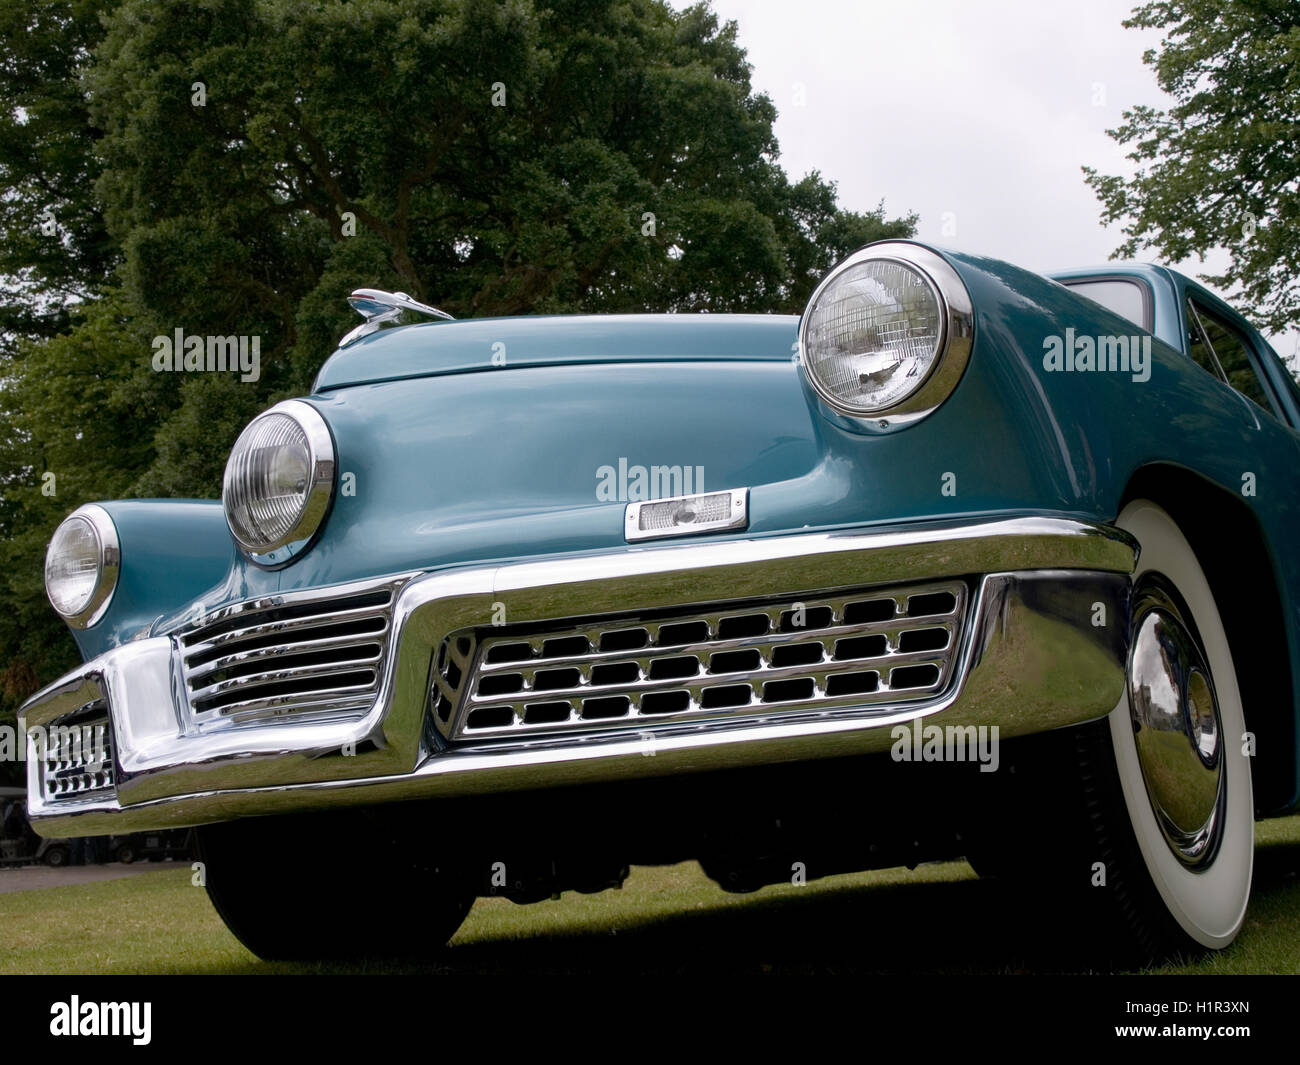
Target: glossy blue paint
<point>457,460</point>
<point>496,343</point>
<point>173,550</point>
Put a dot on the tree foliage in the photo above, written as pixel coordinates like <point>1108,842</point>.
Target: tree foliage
<point>1220,168</point>
<point>236,167</point>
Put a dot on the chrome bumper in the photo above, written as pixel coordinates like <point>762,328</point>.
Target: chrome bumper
<point>1032,657</point>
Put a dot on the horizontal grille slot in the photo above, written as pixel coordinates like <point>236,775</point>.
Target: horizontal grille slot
<point>254,615</point>
<point>303,637</point>
<point>877,646</point>
<point>319,654</point>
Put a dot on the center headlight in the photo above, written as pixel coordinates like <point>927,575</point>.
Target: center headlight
<point>279,479</point>
<point>878,329</point>
<point>873,335</point>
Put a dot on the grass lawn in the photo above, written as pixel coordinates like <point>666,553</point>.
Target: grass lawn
<point>937,918</point>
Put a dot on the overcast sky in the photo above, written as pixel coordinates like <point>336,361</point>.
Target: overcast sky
<point>976,113</point>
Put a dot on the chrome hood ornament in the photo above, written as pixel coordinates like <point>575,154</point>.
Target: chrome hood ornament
<point>378,308</point>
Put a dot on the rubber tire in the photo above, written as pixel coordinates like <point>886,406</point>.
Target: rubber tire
<point>56,857</point>
<point>1074,798</point>
<point>126,855</point>
<point>283,891</point>
<point>1207,906</point>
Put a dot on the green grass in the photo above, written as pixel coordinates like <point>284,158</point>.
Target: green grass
<point>937,918</point>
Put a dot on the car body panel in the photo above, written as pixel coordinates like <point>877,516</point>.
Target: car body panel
<point>180,550</point>
<point>457,460</point>
<point>497,343</point>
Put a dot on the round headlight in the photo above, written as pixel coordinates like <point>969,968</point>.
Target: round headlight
<point>81,566</point>
<point>279,479</point>
<point>879,327</point>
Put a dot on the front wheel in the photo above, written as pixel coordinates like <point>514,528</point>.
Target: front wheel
<point>1180,754</point>
<point>1142,824</point>
<point>299,889</point>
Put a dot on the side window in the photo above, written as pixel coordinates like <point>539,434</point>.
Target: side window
<point>1198,347</point>
<point>1292,384</point>
<point>1125,297</point>
<point>1232,353</point>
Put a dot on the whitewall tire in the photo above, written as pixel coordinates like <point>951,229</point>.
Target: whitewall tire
<point>1188,796</point>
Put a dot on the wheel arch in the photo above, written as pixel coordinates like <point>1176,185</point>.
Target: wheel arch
<point>1245,587</point>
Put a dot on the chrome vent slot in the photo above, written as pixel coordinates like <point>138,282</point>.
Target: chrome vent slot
<point>77,760</point>
<point>455,660</point>
<point>318,654</point>
<point>877,646</point>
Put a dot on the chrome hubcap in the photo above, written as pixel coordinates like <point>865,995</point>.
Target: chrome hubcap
<point>1176,724</point>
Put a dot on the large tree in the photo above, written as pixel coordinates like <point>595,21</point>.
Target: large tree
<point>237,166</point>
<point>54,248</point>
<point>1219,168</point>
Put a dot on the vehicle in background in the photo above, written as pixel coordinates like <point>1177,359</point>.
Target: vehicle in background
<point>19,843</point>
<point>175,844</point>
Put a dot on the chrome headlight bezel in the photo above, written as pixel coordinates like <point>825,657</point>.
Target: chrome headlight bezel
<point>952,351</point>
<point>109,565</point>
<point>321,465</point>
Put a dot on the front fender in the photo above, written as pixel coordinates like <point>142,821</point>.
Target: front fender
<point>173,550</point>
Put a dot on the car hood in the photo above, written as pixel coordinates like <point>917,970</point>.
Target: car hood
<point>433,348</point>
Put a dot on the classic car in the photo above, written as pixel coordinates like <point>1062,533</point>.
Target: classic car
<point>963,561</point>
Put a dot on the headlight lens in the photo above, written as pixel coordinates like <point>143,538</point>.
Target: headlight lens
<point>279,478</point>
<point>81,566</point>
<point>72,566</point>
<point>873,333</point>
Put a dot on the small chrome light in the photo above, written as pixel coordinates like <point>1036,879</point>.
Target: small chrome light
<point>279,479</point>
<point>81,566</point>
<point>887,335</point>
<point>686,515</point>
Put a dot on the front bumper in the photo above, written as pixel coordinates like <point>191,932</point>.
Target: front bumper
<point>1043,646</point>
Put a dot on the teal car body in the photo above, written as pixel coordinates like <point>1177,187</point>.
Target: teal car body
<point>460,456</point>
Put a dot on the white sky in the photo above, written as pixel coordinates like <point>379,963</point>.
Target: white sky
<point>984,108</point>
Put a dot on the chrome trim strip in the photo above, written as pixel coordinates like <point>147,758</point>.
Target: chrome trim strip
<point>333,702</point>
<point>237,658</point>
<point>271,628</point>
<point>169,776</point>
<point>272,676</point>
<point>325,595</point>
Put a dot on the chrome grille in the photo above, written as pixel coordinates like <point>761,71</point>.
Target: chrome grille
<point>892,645</point>
<point>310,655</point>
<point>77,761</point>
<point>455,659</point>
